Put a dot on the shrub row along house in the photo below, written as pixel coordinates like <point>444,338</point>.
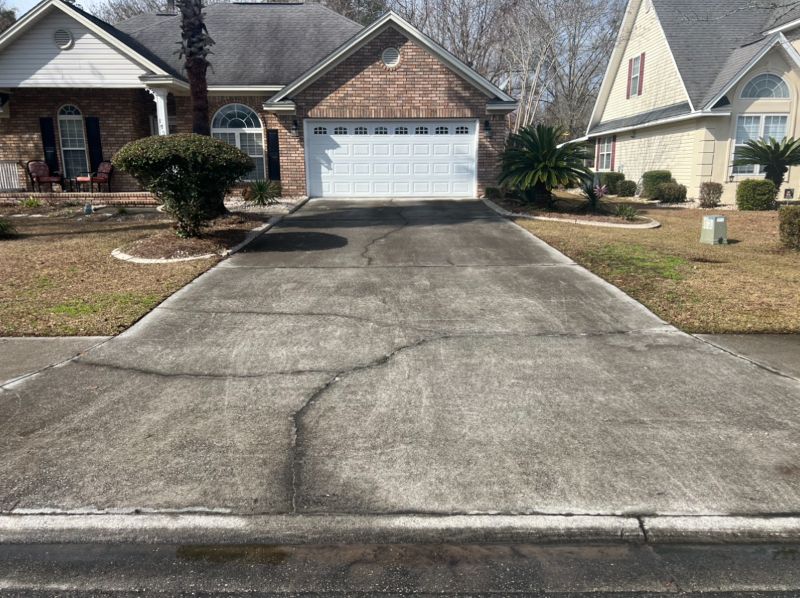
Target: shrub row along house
<point>690,81</point>
<point>326,106</point>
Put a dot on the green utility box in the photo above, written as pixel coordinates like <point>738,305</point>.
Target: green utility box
<point>715,230</point>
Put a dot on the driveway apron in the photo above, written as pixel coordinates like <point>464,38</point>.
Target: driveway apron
<point>402,357</point>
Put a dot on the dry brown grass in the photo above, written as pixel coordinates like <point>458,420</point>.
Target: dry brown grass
<point>751,285</point>
<point>59,277</point>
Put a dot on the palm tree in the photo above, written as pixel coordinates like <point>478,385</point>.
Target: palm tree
<point>195,48</point>
<point>775,157</point>
<point>534,163</point>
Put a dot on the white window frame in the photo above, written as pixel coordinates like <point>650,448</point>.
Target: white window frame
<point>636,74</point>
<point>762,119</point>
<point>763,99</point>
<point>238,136</point>
<point>82,126</point>
<point>605,148</point>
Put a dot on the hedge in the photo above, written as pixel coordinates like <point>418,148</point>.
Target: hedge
<point>652,179</point>
<point>710,194</point>
<point>627,189</point>
<point>670,193</point>
<point>612,180</point>
<point>790,226</point>
<point>756,194</point>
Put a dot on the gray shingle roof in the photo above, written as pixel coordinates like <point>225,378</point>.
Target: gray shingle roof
<point>255,44</point>
<point>643,118</point>
<point>711,41</point>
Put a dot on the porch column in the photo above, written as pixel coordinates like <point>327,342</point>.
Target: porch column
<point>160,96</point>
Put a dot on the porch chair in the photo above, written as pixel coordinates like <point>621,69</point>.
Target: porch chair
<point>101,177</point>
<point>39,172</point>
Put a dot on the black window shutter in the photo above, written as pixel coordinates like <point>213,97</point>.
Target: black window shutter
<point>48,129</point>
<point>94,143</point>
<point>273,155</point>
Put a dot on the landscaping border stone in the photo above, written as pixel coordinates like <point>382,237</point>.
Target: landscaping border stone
<point>507,214</point>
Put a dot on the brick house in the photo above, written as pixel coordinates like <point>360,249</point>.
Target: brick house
<point>326,106</point>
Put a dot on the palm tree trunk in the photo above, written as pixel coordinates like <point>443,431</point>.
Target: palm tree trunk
<point>196,69</point>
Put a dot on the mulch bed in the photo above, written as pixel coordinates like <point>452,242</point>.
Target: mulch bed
<point>222,234</point>
<point>564,210</point>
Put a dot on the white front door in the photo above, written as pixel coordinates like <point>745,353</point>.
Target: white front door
<point>391,158</point>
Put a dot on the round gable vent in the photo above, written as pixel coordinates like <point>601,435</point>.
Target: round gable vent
<point>63,39</point>
<point>391,57</point>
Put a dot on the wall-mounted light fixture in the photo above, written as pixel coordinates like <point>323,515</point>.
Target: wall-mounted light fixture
<point>731,178</point>
<point>295,127</point>
<point>487,125</point>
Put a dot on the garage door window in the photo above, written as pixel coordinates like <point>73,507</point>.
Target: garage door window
<point>421,131</point>
<point>361,131</point>
<point>320,131</point>
<point>401,130</point>
<point>240,126</point>
<point>340,131</point>
<point>381,131</point>
<point>462,130</point>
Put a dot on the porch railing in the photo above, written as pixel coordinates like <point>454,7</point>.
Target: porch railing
<point>9,176</point>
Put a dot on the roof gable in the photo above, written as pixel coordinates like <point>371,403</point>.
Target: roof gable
<point>102,30</point>
<point>391,19</point>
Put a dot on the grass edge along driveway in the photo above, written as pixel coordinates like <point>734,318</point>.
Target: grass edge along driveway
<point>751,285</point>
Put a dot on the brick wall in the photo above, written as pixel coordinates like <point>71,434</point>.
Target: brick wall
<point>361,87</point>
<point>122,114</point>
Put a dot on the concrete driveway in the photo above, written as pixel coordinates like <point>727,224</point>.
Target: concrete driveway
<point>402,358</point>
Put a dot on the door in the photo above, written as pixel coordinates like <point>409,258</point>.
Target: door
<point>391,158</point>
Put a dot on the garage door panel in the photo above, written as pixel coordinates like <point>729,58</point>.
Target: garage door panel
<point>391,158</point>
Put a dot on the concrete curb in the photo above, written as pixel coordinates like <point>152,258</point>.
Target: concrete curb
<point>503,212</point>
<point>314,529</point>
<point>212,528</point>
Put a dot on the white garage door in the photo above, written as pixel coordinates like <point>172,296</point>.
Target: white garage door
<point>372,158</point>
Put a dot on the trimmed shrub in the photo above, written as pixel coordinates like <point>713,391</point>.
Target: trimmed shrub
<point>790,226</point>
<point>6,228</point>
<point>627,188</point>
<point>189,173</point>
<point>756,194</point>
<point>710,194</point>
<point>670,193</point>
<point>612,181</point>
<point>652,179</point>
<point>262,193</point>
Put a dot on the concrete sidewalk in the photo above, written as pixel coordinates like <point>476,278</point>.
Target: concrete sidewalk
<point>371,360</point>
<point>21,356</point>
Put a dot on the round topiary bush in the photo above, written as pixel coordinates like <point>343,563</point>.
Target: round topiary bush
<point>652,179</point>
<point>627,188</point>
<point>756,194</point>
<point>670,193</point>
<point>790,226</point>
<point>190,174</point>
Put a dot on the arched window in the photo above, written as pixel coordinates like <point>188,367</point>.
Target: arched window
<point>340,131</point>
<point>401,130</point>
<point>240,126</point>
<point>462,130</point>
<point>421,131</point>
<point>320,131</point>
<point>360,131</point>
<point>381,131</point>
<point>73,142</point>
<point>765,86</point>
<point>442,130</point>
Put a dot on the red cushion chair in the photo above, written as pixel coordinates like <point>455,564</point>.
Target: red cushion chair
<point>101,177</point>
<point>39,172</point>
